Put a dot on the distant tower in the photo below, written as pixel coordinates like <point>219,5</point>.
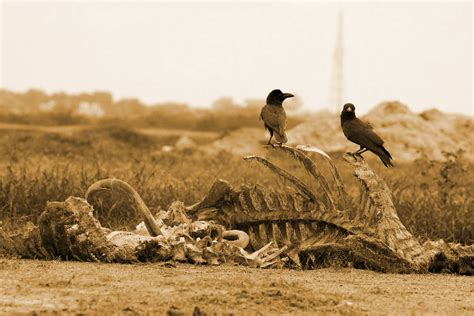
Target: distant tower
<point>336,92</point>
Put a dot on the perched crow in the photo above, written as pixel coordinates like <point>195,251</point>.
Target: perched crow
<point>274,116</point>
<point>362,134</point>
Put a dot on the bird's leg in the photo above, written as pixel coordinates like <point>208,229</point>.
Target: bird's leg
<point>271,136</point>
<point>360,151</point>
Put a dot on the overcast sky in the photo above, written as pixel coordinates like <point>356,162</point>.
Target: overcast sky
<point>418,53</point>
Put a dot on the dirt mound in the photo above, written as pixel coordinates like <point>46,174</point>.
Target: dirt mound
<point>408,135</point>
<point>242,141</point>
<point>323,130</point>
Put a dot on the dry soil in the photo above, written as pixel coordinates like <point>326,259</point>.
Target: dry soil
<point>55,287</point>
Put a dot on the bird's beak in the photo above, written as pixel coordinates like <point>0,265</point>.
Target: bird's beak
<point>349,110</point>
<point>287,95</point>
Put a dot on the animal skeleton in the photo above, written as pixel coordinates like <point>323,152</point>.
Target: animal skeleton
<point>310,229</point>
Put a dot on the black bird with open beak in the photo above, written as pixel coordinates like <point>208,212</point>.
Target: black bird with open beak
<point>363,134</point>
<point>274,116</point>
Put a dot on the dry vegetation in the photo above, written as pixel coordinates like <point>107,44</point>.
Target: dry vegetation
<point>432,198</point>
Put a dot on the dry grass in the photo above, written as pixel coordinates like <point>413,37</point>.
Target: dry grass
<point>432,198</point>
<point>435,200</point>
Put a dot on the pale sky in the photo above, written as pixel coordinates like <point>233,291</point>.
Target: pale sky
<point>418,53</point>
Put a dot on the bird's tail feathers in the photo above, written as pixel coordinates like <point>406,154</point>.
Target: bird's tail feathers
<point>281,138</point>
<point>386,152</point>
<point>386,158</point>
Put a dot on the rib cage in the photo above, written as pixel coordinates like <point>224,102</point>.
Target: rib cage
<point>284,219</point>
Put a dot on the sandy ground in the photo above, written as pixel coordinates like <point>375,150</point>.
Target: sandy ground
<point>52,287</point>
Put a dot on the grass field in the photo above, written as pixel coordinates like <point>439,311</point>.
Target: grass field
<point>434,199</point>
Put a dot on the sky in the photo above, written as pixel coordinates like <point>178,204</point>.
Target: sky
<point>196,52</point>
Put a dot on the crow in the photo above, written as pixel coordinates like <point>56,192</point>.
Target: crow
<point>362,134</point>
<point>274,116</point>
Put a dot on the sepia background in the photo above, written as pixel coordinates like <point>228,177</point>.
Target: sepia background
<point>167,96</point>
<point>195,52</point>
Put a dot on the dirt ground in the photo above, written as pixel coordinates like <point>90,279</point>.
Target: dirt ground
<point>53,287</point>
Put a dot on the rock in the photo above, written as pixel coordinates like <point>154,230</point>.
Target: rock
<point>184,142</point>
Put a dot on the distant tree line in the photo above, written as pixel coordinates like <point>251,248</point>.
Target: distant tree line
<point>39,108</point>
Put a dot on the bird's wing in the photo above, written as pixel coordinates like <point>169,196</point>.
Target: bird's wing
<point>275,118</point>
<point>369,126</point>
<point>361,133</point>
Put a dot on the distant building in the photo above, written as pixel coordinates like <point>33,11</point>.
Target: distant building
<point>90,109</point>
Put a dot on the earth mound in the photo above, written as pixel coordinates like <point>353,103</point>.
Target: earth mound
<point>407,135</point>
